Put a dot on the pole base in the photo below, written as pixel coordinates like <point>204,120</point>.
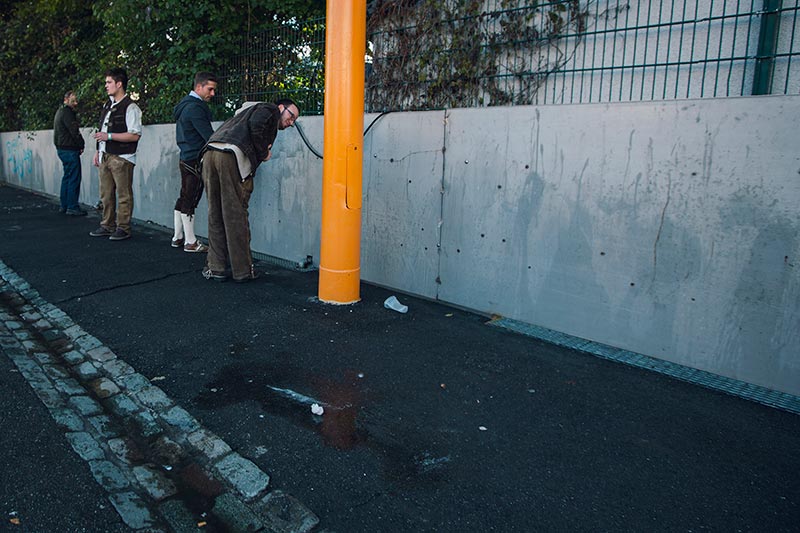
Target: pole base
<point>339,287</point>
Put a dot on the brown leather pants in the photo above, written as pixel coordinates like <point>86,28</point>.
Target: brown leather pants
<point>228,224</point>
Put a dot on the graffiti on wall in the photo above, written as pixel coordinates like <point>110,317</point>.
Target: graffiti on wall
<point>20,158</point>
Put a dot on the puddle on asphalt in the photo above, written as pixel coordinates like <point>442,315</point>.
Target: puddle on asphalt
<point>406,457</point>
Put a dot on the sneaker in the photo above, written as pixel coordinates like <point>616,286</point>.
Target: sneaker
<point>120,235</point>
<point>177,243</point>
<point>76,212</point>
<point>214,275</point>
<point>195,247</point>
<point>102,231</point>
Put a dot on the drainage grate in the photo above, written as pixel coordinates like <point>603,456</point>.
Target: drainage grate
<point>298,266</point>
<point>756,393</point>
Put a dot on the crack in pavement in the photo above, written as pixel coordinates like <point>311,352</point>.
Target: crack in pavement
<point>124,285</point>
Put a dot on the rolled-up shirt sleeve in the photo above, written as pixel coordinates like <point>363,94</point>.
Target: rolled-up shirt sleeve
<point>133,118</point>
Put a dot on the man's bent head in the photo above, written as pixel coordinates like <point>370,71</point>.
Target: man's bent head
<point>289,113</point>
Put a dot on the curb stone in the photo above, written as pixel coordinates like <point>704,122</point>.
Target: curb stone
<point>50,352</point>
<point>240,518</point>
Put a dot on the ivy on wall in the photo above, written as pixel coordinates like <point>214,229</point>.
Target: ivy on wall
<point>429,54</point>
<point>426,54</point>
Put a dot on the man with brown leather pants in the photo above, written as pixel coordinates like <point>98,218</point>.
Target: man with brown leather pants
<point>230,160</point>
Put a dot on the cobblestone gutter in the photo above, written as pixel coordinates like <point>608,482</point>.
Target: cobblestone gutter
<point>160,467</point>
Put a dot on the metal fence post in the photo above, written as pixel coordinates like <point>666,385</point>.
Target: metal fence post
<point>767,44</point>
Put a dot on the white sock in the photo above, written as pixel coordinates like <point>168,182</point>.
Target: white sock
<point>178,223</point>
<point>188,227</point>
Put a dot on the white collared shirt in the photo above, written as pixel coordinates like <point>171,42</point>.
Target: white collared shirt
<point>245,167</point>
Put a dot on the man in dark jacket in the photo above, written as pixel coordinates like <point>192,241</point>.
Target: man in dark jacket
<point>192,130</point>
<point>230,160</point>
<point>69,146</point>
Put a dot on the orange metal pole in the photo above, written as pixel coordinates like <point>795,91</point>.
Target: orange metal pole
<point>342,164</point>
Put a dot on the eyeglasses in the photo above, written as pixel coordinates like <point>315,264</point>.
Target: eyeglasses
<point>292,115</point>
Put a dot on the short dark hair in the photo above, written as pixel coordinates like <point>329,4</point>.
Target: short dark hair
<point>201,78</point>
<point>119,75</point>
<point>286,102</point>
<point>68,94</point>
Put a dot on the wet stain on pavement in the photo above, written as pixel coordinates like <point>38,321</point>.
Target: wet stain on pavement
<point>345,424</point>
<point>203,486</point>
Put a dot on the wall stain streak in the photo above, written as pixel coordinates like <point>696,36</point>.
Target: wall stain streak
<point>628,160</point>
<point>661,225</point>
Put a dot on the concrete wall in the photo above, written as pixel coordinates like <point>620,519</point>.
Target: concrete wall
<point>666,228</point>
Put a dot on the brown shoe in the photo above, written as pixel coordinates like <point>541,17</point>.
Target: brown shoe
<point>102,231</point>
<point>177,243</point>
<point>120,235</point>
<point>195,247</point>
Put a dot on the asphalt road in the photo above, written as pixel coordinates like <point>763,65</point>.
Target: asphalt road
<point>434,421</point>
<point>45,485</point>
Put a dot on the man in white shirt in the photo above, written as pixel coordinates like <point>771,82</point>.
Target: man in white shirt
<point>117,139</point>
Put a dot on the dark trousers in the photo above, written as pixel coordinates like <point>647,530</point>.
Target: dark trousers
<point>191,188</point>
<point>71,181</point>
<point>228,225</point>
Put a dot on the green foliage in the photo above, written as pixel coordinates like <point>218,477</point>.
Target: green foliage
<point>431,54</point>
<point>50,46</point>
<point>45,46</point>
<point>427,54</point>
<point>286,60</point>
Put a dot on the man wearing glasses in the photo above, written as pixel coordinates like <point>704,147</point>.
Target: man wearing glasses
<point>230,160</point>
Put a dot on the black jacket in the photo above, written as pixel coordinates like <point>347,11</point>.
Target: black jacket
<point>252,130</point>
<point>66,135</point>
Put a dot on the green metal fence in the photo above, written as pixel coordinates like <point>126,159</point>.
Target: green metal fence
<point>438,54</point>
<point>286,61</point>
